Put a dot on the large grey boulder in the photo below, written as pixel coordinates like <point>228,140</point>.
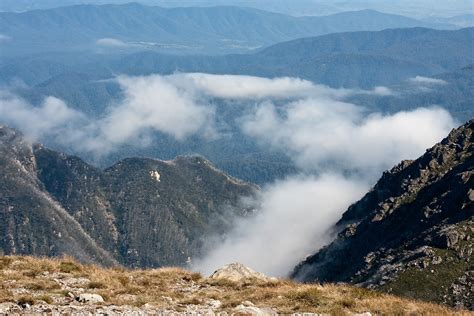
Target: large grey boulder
<point>238,272</point>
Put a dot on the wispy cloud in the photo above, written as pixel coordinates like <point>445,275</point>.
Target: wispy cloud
<point>249,87</point>
<point>427,81</point>
<point>111,42</point>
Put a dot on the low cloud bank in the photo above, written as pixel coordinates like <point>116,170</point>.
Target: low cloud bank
<point>292,221</point>
<point>179,105</point>
<point>150,104</point>
<point>346,147</point>
<point>427,81</point>
<point>251,88</point>
<point>325,134</point>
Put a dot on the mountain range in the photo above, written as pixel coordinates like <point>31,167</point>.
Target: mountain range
<point>350,60</point>
<point>420,8</point>
<point>190,30</point>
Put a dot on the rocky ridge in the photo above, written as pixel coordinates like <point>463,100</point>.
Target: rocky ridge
<point>139,212</point>
<point>413,233</point>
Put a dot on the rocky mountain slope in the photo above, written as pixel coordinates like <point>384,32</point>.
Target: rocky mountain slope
<point>32,286</point>
<point>413,233</point>
<point>138,212</point>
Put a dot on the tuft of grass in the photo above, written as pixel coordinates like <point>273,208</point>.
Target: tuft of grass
<point>42,285</point>
<point>311,296</point>
<point>46,298</point>
<point>5,262</point>
<point>195,276</point>
<point>69,267</point>
<point>191,301</point>
<point>96,285</point>
<point>23,300</point>
<point>224,283</point>
<point>347,303</point>
<point>30,273</point>
<point>124,280</point>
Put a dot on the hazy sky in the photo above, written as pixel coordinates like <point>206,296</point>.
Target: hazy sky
<point>416,8</point>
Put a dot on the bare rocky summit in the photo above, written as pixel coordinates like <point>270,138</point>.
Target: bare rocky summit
<point>413,233</point>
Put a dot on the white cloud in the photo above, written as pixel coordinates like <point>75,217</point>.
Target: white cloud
<point>427,81</point>
<point>292,221</point>
<point>250,87</point>
<point>111,42</point>
<point>152,103</point>
<point>321,134</point>
<point>382,91</point>
<point>52,116</point>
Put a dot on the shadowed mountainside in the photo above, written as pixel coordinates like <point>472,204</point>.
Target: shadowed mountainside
<point>139,212</point>
<point>412,234</point>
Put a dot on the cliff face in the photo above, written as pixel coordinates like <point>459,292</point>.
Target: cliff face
<point>413,233</point>
<point>139,212</point>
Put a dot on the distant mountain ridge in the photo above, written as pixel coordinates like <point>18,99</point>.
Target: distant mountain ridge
<point>413,233</point>
<point>356,59</point>
<point>203,30</point>
<point>139,212</point>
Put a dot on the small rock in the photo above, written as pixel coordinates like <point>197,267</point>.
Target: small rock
<point>471,195</point>
<point>168,299</point>
<point>437,260</point>
<point>214,304</point>
<point>89,298</point>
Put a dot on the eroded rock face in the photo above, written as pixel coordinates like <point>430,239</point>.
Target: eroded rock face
<point>413,233</point>
<point>237,272</point>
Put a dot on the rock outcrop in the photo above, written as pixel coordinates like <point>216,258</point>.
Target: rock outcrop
<point>237,272</point>
<point>413,233</point>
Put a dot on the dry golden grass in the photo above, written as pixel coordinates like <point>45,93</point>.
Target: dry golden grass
<point>28,279</point>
